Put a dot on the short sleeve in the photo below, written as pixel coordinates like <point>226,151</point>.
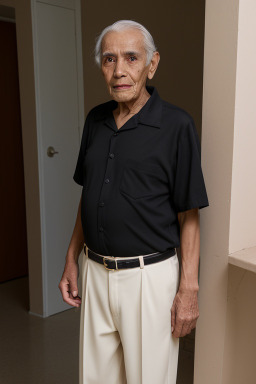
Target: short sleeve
<point>78,176</point>
<point>189,186</point>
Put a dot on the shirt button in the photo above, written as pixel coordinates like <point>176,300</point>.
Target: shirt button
<point>115,134</point>
<point>107,181</point>
<point>101,204</point>
<point>111,155</point>
<point>101,229</point>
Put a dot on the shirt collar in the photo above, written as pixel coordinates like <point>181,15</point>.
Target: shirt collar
<point>150,114</point>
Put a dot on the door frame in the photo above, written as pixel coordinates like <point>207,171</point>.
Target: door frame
<point>74,5</point>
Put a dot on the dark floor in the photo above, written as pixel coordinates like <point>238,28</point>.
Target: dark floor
<point>35,350</point>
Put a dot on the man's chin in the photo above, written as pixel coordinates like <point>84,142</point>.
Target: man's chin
<point>123,96</point>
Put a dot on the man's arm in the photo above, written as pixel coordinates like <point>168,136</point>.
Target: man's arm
<point>68,283</point>
<point>185,312</point>
<point>77,239</point>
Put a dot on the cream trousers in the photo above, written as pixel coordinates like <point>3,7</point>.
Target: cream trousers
<point>125,323</point>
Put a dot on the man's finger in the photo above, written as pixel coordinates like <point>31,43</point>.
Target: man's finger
<point>73,288</point>
<point>178,327</point>
<point>193,324</point>
<point>186,328</point>
<point>173,317</point>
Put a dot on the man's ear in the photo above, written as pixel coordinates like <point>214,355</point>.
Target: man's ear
<point>153,65</point>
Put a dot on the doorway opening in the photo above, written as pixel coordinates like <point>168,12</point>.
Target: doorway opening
<point>13,229</point>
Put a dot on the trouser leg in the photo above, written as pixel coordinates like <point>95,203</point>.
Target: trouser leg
<point>100,350</point>
<point>145,299</point>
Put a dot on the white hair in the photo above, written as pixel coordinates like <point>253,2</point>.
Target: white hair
<point>120,26</point>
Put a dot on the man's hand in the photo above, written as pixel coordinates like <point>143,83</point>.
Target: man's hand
<point>68,284</point>
<point>184,312</point>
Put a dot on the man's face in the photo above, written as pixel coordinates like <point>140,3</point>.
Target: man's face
<point>124,64</point>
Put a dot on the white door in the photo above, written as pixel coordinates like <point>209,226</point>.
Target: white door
<point>58,120</point>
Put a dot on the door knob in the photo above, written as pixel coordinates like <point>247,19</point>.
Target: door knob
<point>51,152</point>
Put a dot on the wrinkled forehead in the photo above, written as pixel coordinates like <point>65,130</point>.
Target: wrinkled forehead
<point>128,40</point>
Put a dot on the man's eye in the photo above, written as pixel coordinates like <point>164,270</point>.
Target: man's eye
<point>108,59</point>
<point>133,58</point>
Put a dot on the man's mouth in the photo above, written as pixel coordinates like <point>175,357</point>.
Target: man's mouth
<point>122,86</point>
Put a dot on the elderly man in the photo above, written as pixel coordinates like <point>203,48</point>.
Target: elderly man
<point>140,168</point>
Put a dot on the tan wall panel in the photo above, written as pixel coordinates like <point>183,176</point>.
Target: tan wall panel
<point>243,207</point>
<point>240,345</point>
<point>217,155</point>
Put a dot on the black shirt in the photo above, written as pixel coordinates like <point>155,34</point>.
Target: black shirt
<point>137,178</point>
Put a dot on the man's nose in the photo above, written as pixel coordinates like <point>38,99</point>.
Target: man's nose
<point>120,70</point>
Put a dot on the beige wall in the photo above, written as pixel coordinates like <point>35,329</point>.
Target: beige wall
<point>178,30</point>
<point>217,151</point>
<point>29,137</point>
<point>243,193</point>
<point>240,340</point>
<point>225,335</point>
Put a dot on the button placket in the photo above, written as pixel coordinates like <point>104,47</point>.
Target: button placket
<point>106,187</point>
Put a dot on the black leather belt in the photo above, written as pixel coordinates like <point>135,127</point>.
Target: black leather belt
<point>110,263</point>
